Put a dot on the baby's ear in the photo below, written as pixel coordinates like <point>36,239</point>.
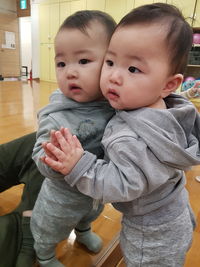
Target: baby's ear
<point>172,84</point>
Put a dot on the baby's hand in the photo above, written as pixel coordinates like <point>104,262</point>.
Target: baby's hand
<point>66,155</point>
<point>53,141</point>
<point>47,152</point>
<point>53,138</point>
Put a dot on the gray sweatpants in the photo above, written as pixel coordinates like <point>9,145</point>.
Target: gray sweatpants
<point>57,211</point>
<point>162,245</point>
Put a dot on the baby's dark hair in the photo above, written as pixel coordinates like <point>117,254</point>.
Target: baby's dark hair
<point>81,20</point>
<point>178,34</point>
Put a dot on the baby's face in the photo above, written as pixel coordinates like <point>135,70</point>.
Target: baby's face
<point>136,67</point>
<point>78,59</point>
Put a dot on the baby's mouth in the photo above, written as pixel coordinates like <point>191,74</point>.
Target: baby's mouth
<point>74,87</point>
<point>112,92</point>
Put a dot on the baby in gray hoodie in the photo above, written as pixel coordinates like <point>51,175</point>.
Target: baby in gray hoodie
<point>149,143</point>
<point>80,46</point>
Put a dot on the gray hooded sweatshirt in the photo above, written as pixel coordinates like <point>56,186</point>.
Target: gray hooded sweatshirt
<point>59,207</point>
<point>86,120</point>
<point>146,153</point>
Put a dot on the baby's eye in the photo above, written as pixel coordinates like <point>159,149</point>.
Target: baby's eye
<point>60,64</point>
<point>109,63</point>
<point>84,61</point>
<point>133,69</point>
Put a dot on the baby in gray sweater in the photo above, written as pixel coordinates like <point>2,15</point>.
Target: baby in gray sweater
<point>80,46</point>
<point>149,143</point>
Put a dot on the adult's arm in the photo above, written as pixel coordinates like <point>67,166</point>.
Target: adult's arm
<point>15,159</point>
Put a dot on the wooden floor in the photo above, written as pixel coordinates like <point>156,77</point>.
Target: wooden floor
<point>19,102</point>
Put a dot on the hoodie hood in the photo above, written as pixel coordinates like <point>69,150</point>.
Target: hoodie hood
<point>172,134</point>
<point>58,101</point>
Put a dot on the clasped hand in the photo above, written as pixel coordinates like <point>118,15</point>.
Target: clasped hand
<point>63,151</point>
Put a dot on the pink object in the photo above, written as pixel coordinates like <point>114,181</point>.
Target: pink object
<point>189,78</point>
<point>196,38</point>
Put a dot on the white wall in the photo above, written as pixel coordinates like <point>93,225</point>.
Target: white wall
<point>25,42</point>
<point>8,6</point>
<point>35,39</point>
<point>29,34</point>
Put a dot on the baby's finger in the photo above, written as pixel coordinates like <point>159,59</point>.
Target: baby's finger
<point>59,154</point>
<point>53,139</point>
<point>43,159</point>
<point>65,133</point>
<point>69,138</point>
<point>62,131</point>
<point>77,142</point>
<point>64,145</point>
<point>55,165</point>
<point>44,146</point>
<point>48,152</point>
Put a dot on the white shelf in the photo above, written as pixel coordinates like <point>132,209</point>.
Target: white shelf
<point>193,66</point>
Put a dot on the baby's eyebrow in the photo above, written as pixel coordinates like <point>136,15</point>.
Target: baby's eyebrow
<point>110,53</point>
<point>137,58</point>
<point>128,56</point>
<point>58,55</point>
<point>83,51</point>
<point>77,53</point>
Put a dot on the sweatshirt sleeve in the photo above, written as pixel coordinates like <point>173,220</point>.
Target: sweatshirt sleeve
<point>46,124</point>
<point>132,171</point>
